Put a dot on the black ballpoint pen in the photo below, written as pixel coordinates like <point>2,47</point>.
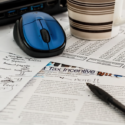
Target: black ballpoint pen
<point>106,97</point>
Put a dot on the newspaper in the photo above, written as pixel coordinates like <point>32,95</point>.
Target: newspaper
<point>65,100</point>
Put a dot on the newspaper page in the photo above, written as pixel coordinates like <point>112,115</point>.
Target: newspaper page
<point>62,98</point>
<point>107,55</point>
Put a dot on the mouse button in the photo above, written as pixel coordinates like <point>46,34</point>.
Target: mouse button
<point>57,35</point>
<point>45,26</point>
<point>28,18</point>
<point>33,39</point>
<point>45,35</point>
<point>38,26</point>
<point>45,16</point>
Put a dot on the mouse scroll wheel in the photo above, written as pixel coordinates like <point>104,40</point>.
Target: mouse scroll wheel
<point>45,35</point>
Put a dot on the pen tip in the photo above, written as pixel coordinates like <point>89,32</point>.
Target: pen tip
<point>88,84</point>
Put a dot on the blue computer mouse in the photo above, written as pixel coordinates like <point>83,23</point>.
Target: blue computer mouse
<point>39,35</point>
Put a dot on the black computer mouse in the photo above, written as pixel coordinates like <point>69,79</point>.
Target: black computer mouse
<point>39,35</point>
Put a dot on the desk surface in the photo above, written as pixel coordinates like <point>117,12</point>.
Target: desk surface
<point>58,94</point>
